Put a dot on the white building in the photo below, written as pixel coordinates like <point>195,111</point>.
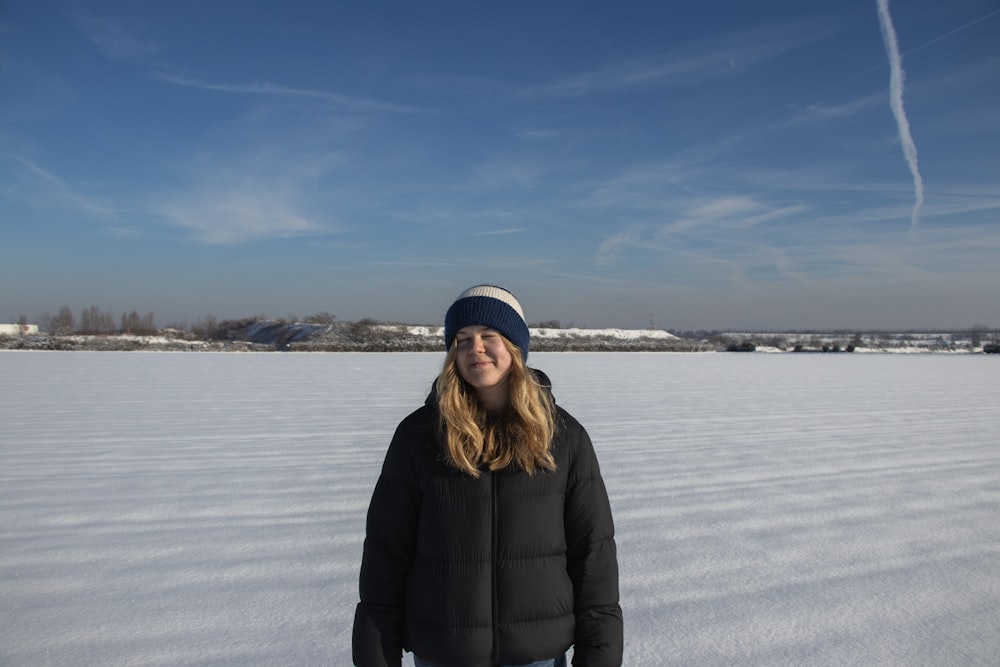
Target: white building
<point>18,329</point>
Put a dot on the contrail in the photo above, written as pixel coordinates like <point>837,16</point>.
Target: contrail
<point>896,103</point>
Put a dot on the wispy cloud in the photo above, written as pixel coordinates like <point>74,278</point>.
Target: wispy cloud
<point>502,232</point>
<point>710,59</point>
<point>240,216</point>
<point>45,189</point>
<point>276,90</point>
<point>505,264</point>
<point>819,112</point>
<point>827,256</point>
<point>610,250</point>
<point>648,186</point>
<point>712,239</point>
<point>896,77</point>
<point>535,134</point>
<point>725,208</point>
<point>732,212</point>
<point>116,38</point>
<point>256,193</point>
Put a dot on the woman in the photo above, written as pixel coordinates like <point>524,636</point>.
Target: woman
<point>489,539</point>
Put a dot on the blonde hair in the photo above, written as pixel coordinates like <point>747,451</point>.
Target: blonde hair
<point>522,436</point>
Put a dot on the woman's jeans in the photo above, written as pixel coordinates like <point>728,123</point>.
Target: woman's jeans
<point>555,662</point>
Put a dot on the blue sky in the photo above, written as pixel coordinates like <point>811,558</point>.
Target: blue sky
<point>711,164</point>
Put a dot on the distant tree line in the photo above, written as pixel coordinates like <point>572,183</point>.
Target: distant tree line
<point>291,331</point>
<point>95,321</point>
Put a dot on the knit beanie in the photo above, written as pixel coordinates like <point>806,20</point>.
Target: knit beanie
<point>488,306</point>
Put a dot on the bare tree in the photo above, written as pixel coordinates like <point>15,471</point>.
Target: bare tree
<point>94,320</point>
<point>976,334</point>
<point>130,323</point>
<point>321,318</point>
<point>63,323</point>
<point>44,323</point>
<point>206,328</point>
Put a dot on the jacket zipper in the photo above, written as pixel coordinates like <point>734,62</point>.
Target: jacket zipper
<point>493,567</point>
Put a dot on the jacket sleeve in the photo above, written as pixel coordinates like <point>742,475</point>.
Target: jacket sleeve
<point>592,561</point>
<point>385,563</point>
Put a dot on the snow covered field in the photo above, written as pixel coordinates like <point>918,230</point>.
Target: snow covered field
<point>208,508</point>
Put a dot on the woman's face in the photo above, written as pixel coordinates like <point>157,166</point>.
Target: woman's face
<point>483,358</point>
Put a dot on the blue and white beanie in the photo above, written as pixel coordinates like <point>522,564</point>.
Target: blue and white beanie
<point>488,306</point>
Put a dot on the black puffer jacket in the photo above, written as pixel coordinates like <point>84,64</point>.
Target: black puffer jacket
<point>505,569</point>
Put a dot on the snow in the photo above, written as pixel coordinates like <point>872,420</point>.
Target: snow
<point>208,509</point>
<point>416,330</point>
<point>621,334</point>
<point>544,332</point>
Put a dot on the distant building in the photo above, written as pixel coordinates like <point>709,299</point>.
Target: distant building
<point>18,329</point>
